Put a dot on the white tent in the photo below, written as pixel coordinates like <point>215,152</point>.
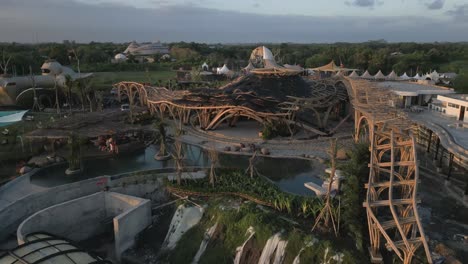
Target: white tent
<point>223,70</point>
<point>418,77</point>
<point>249,67</point>
<point>354,74</point>
<point>379,76</point>
<point>392,76</point>
<point>405,76</point>
<point>339,74</point>
<point>205,66</point>
<point>434,76</point>
<point>367,75</point>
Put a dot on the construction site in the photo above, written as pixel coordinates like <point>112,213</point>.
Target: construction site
<point>258,170</point>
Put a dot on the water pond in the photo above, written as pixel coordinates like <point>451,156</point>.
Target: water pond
<point>288,174</point>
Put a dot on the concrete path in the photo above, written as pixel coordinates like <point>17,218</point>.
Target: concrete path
<point>283,147</point>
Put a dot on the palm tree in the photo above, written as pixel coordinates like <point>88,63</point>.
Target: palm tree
<point>178,157</point>
<point>57,103</point>
<point>214,159</point>
<point>74,159</point>
<point>162,140</point>
<point>33,80</point>
<point>69,84</point>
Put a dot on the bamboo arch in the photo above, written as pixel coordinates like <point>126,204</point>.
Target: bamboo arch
<point>391,203</point>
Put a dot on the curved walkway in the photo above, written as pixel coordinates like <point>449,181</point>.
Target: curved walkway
<point>285,148</point>
<point>454,141</point>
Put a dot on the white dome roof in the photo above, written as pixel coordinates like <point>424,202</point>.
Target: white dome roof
<point>120,56</point>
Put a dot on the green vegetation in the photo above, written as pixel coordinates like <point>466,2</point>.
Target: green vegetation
<point>372,55</point>
<point>233,224</point>
<point>105,80</point>
<point>235,181</point>
<point>461,82</point>
<point>281,129</point>
<point>353,214</point>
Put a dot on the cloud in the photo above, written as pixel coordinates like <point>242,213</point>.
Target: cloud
<point>459,13</point>
<point>435,4</point>
<point>56,20</point>
<point>364,3</point>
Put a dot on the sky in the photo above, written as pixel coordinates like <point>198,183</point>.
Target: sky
<point>233,21</point>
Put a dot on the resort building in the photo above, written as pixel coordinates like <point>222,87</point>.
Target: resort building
<point>455,105</point>
<point>414,94</point>
<point>146,49</point>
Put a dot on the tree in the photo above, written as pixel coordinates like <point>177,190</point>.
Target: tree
<point>57,102</point>
<point>4,63</point>
<point>162,139</point>
<point>356,172</point>
<point>214,159</point>
<point>327,213</point>
<point>252,169</point>
<point>178,157</point>
<point>68,85</point>
<point>461,83</point>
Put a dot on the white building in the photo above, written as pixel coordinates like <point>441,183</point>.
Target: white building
<point>415,94</point>
<point>455,105</point>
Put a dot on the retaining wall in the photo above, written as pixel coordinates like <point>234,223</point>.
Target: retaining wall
<point>85,217</point>
<point>13,214</point>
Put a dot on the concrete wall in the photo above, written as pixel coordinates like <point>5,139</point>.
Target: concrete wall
<point>13,214</point>
<point>85,217</point>
<point>77,219</point>
<point>129,224</point>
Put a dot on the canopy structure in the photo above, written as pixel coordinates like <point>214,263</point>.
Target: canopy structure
<point>367,75</point>
<point>10,117</point>
<point>43,248</point>
<point>379,76</point>
<point>332,67</point>
<point>294,67</point>
<point>265,64</point>
<point>405,76</point>
<point>392,76</point>
<point>434,76</point>
<point>249,67</point>
<point>205,66</point>
<point>418,77</point>
<point>354,74</point>
<point>223,70</point>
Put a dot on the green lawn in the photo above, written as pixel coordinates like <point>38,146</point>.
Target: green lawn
<point>105,80</point>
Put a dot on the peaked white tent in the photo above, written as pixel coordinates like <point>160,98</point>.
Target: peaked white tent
<point>392,76</point>
<point>379,76</point>
<point>354,74</point>
<point>223,70</point>
<point>434,76</point>
<point>205,66</point>
<point>339,74</point>
<point>405,76</point>
<point>367,75</point>
<point>249,67</point>
<point>418,77</point>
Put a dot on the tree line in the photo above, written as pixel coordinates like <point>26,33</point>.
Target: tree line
<point>372,55</point>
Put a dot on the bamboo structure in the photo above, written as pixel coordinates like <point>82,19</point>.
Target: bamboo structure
<point>248,96</point>
<point>391,200</point>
